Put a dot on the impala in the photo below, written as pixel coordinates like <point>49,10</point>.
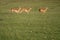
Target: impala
<point>16,10</point>
<point>43,10</point>
<point>27,10</point>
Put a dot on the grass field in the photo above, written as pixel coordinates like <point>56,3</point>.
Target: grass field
<point>32,26</point>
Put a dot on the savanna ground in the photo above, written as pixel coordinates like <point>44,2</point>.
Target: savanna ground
<point>32,26</point>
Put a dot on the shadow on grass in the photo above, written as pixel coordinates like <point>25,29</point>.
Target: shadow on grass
<point>1,19</point>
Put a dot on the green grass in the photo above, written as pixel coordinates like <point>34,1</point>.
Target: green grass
<point>32,26</point>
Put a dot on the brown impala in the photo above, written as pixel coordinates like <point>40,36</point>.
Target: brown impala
<point>16,10</point>
<point>43,10</point>
<point>27,10</point>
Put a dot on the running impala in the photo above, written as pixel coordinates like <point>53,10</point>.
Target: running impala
<point>27,10</point>
<point>16,10</point>
<point>43,10</point>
